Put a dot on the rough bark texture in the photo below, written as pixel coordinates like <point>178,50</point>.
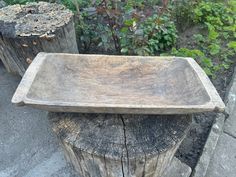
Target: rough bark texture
<point>111,145</point>
<point>36,27</point>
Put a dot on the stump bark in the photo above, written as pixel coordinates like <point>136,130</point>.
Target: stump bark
<point>109,145</point>
<point>26,30</point>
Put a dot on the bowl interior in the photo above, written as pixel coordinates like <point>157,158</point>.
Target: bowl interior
<point>118,80</point>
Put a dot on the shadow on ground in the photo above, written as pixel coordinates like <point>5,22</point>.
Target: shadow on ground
<point>27,146</point>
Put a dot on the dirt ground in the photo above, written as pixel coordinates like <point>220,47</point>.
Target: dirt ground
<point>193,144</point>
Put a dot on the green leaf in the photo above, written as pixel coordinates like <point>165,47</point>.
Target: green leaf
<point>226,66</point>
<point>213,34</point>
<point>232,44</point>
<point>124,50</point>
<point>214,49</point>
<point>207,62</point>
<point>124,29</point>
<point>208,71</point>
<point>198,53</point>
<point>199,37</point>
<point>129,22</point>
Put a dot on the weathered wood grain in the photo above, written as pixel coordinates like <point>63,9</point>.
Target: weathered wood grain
<point>117,84</point>
<point>111,145</point>
<point>2,4</point>
<point>26,30</point>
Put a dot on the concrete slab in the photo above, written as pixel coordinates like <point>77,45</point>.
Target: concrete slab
<point>209,148</point>
<point>230,99</point>
<point>223,162</point>
<point>26,139</point>
<point>177,169</point>
<point>218,157</point>
<point>52,167</point>
<point>230,124</point>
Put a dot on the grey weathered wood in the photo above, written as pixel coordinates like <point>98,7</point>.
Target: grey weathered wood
<point>111,145</point>
<point>2,4</point>
<point>26,30</point>
<point>117,84</point>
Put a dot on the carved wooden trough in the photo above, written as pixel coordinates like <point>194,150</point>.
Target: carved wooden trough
<point>130,113</point>
<point>117,84</point>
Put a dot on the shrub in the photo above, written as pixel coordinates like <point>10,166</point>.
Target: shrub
<point>129,27</point>
<point>148,27</point>
<point>151,37</point>
<point>216,14</point>
<point>215,49</point>
<point>182,11</point>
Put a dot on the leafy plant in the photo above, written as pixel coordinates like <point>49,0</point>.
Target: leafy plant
<point>232,45</point>
<point>182,11</point>
<point>216,14</point>
<point>19,1</point>
<point>219,19</point>
<point>129,27</point>
<point>155,35</point>
<point>148,27</point>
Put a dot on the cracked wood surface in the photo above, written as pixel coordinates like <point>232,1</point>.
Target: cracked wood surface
<point>114,145</point>
<point>26,30</point>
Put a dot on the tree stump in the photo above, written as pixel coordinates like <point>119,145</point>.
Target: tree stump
<point>26,30</point>
<point>112,145</point>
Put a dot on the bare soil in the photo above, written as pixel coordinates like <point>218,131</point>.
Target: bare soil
<point>192,146</point>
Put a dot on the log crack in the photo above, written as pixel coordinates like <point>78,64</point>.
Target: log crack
<point>125,142</point>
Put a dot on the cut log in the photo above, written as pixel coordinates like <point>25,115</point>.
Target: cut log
<point>112,145</point>
<point>26,30</point>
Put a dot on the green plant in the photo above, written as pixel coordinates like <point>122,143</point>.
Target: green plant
<point>182,11</point>
<point>217,14</point>
<point>129,27</point>
<point>153,36</point>
<point>213,49</point>
<point>219,19</point>
<point>19,1</point>
<point>148,27</point>
<point>138,27</point>
<point>232,45</point>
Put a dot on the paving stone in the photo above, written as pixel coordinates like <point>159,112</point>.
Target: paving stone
<point>230,100</point>
<point>177,169</point>
<point>223,162</point>
<point>230,124</point>
<point>26,138</point>
<point>52,167</point>
<point>209,148</point>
